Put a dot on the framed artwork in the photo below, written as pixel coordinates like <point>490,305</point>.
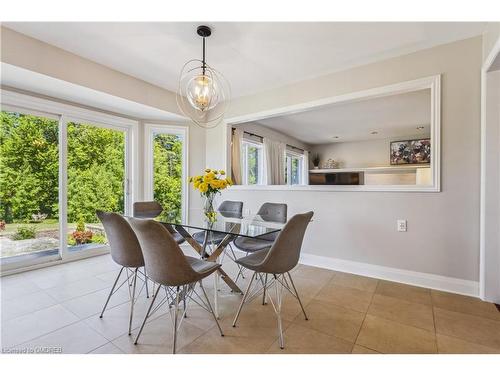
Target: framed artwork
<point>415,151</point>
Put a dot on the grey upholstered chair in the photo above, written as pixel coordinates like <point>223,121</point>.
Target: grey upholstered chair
<point>126,252</point>
<point>150,210</point>
<point>276,212</point>
<point>281,258</point>
<point>167,266</point>
<point>227,208</point>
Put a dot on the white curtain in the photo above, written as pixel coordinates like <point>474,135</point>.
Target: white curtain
<point>274,162</point>
<point>236,156</point>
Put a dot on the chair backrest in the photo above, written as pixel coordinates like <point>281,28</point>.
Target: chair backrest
<point>285,251</point>
<point>273,212</point>
<point>231,208</point>
<point>124,245</point>
<point>147,210</point>
<point>165,262</point>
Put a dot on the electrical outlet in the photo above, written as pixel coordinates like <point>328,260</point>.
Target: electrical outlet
<point>401,225</point>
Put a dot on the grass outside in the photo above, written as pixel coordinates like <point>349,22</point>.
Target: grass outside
<point>48,224</point>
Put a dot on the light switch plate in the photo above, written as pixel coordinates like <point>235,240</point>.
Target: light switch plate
<point>401,225</point>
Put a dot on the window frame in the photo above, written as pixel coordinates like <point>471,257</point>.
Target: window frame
<point>64,113</point>
<point>245,143</point>
<point>289,155</point>
<point>150,129</point>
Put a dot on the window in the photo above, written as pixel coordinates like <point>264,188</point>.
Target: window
<point>294,168</point>
<point>96,181</point>
<point>59,164</point>
<point>166,169</point>
<point>253,163</point>
<point>29,175</point>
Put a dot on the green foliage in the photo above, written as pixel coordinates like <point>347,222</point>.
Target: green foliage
<point>29,169</point>
<point>99,238</point>
<point>80,226</point>
<point>28,166</point>
<point>96,168</point>
<point>168,175</point>
<point>24,232</point>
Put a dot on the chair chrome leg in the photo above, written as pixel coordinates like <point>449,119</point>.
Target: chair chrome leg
<point>111,292</point>
<point>176,313</point>
<point>146,281</point>
<point>297,294</point>
<point>147,313</point>
<point>244,298</point>
<point>132,303</point>
<point>211,309</point>
<point>264,301</point>
<point>279,297</point>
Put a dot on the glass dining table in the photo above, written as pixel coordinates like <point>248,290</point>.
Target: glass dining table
<point>219,233</point>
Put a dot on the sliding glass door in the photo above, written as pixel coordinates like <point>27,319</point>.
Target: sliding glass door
<point>29,188</point>
<point>56,170</point>
<point>96,181</point>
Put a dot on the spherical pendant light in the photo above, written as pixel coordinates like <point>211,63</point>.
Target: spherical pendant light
<point>203,93</point>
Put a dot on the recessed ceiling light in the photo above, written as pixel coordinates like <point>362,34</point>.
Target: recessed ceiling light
<point>374,133</point>
<point>420,127</point>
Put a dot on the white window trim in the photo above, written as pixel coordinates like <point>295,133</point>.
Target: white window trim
<point>64,113</point>
<point>297,155</point>
<point>167,128</point>
<point>244,164</point>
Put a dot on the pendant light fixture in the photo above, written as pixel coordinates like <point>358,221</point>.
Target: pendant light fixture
<point>203,93</point>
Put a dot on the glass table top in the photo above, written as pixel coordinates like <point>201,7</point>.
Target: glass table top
<point>251,226</point>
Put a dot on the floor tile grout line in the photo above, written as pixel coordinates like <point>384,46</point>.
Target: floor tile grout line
<point>48,333</point>
<point>364,318</point>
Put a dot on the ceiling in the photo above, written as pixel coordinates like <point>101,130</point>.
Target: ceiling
<point>390,117</point>
<point>253,56</point>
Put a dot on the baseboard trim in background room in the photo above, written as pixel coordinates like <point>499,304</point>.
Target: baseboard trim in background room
<point>426,280</point>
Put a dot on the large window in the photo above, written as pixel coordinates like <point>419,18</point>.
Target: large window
<point>253,163</point>
<point>96,181</point>
<point>294,167</point>
<point>56,171</point>
<point>29,174</point>
<point>166,169</point>
<point>167,174</point>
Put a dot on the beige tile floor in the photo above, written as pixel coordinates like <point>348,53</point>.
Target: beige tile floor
<point>58,307</point>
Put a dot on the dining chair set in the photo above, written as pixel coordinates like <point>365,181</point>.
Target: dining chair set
<point>149,250</point>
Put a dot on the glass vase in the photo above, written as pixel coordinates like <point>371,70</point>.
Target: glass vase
<point>209,208</point>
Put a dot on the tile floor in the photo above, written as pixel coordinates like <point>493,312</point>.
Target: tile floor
<point>57,309</point>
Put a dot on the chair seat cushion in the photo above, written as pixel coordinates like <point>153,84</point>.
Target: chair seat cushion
<point>214,237</point>
<point>253,261</point>
<point>202,267</point>
<point>178,238</point>
<point>251,245</point>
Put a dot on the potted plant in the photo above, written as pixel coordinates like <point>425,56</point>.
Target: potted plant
<point>316,159</point>
<point>80,235</point>
<point>209,185</point>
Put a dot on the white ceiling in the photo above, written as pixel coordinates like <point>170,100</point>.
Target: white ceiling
<point>391,117</point>
<point>253,56</point>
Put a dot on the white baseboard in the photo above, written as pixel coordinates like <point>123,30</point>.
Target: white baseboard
<point>426,280</point>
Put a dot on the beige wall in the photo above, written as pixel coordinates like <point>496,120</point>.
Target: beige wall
<point>28,53</point>
<point>443,228</point>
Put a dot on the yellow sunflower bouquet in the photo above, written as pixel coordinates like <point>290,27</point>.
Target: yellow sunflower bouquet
<point>210,184</point>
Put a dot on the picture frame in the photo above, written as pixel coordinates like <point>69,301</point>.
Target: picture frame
<point>412,151</point>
